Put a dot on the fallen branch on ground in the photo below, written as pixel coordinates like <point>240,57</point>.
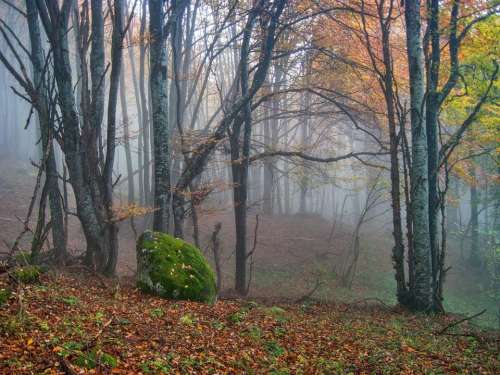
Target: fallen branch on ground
<point>309,294</point>
<point>365,300</point>
<point>460,321</point>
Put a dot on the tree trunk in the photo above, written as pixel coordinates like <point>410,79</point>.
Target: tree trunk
<point>422,293</point>
<point>145,125</point>
<point>111,229</point>
<point>431,119</point>
<point>137,96</point>
<point>52,182</point>
<point>474,257</point>
<point>267,197</point>
<point>159,110</point>
<point>126,140</point>
<point>398,249</point>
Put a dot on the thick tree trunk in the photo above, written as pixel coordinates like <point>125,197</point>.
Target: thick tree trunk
<point>90,174</point>
<point>422,293</point>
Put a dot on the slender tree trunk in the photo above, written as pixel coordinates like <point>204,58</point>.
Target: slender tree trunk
<point>267,197</point>
<point>52,182</point>
<point>159,110</point>
<point>422,293</point>
<point>474,257</point>
<point>144,107</point>
<point>111,233</point>
<point>137,96</point>
<point>240,166</point>
<point>388,88</point>
<point>126,140</point>
<point>303,184</point>
<point>431,119</point>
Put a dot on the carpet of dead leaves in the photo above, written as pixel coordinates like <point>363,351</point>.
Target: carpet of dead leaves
<point>86,325</point>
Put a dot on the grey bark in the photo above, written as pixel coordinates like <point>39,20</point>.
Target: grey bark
<point>474,256</point>
<point>422,293</point>
<point>126,140</point>
<point>159,110</point>
<point>145,119</point>
<point>46,130</point>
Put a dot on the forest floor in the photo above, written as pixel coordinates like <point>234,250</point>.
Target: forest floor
<point>76,323</point>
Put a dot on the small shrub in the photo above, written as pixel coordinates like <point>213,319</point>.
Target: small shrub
<point>14,325</point>
<point>279,331</point>
<point>273,348</point>
<point>254,332</point>
<point>276,311</point>
<point>86,360</point>
<point>4,296</point>
<point>238,316</point>
<point>69,348</point>
<point>28,274</point>
<point>329,365</point>
<point>108,360</point>
<point>71,300</point>
<point>157,313</point>
<point>23,258</point>
<point>157,366</point>
<point>218,325</point>
<point>187,320</point>
<point>99,317</point>
<point>44,325</point>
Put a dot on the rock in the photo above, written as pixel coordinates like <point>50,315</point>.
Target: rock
<point>172,268</point>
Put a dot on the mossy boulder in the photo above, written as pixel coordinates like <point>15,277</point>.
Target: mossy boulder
<point>172,268</point>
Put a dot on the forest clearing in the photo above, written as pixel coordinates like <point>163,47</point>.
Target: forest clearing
<point>249,186</point>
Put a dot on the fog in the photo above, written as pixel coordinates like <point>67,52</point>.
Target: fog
<point>318,210</point>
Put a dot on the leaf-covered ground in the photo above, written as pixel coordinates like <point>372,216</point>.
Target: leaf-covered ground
<point>69,324</point>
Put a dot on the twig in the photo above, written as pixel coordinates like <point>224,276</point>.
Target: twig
<point>460,321</point>
<point>66,366</point>
<point>91,343</point>
<point>215,249</point>
<point>308,295</point>
<point>367,300</point>
<point>255,232</point>
<point>250,254</point>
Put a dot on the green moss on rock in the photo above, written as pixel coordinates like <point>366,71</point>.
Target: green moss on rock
<point>172,268</point>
